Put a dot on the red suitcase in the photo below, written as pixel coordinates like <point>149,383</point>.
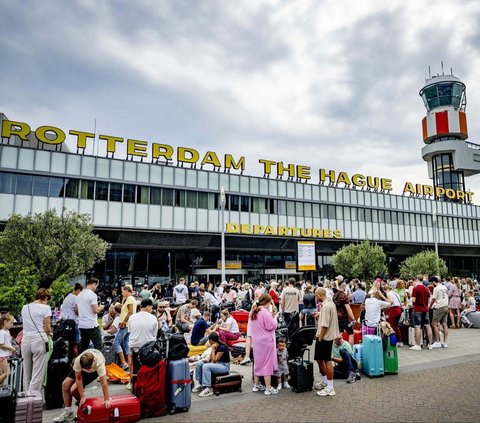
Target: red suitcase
<point>240,316</point>
<point>125,409</point>
<point>357,336</point>
<point>150,390</point>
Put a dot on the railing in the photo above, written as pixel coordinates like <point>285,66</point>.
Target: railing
<point>472,145</point>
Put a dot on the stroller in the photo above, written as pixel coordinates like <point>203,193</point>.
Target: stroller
<point>300,340</point>
<point>301,371</point>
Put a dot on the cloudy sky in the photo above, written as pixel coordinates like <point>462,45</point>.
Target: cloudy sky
<point>326,84</point>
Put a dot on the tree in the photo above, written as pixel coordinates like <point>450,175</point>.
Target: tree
<point>51,245</point>
<point>17,288</point>
<point>360,260</point>
<point>423,263</point>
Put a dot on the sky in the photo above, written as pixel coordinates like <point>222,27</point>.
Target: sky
<point>325,84</point>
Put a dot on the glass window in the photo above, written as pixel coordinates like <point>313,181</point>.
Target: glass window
<point>374,216</point>
<point>331,212</point>
<point>346,213</point>
<point>298,209</point>
<point>271,206</point>
<point>388,217</point>
<point>339,211</point>
<point>167,175</point>
<point>244,184</point>
<point>40,186</point>
<point>87,190</point>
<point>192,199</point>
<point>7,182</point>
<point>244,203</point>
<point>142,195</point>
<point>115,192</point>
<point>259,205</point>
<point>290,208</point>
<point>24,184</point>
<point>191,178</point>
<point>361,215</point>
<point>394,218</point>
<point>56,187</point>
<point>167,197</point>
<point>234,183</point>
<point>234,202</point>
<point>424,220</point>
<point>180,176</point>
<point>381,216</point>
<point>324,211</point>
<point>179,198</point>
<point>368,215</point>
<point>400,218</point>
<point>101,191</point>
<point>353,211</point>
<point>316,210</point>
<point>202,179</point>
<point>418,220</point>
<point>282,207</point>
<point>308,209</point>
<point>155,195</point>
<point>129,193</point>
<point>212,201</point>
<point>203,200</point>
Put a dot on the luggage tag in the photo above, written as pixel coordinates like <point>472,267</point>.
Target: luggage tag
<point>177,391</point>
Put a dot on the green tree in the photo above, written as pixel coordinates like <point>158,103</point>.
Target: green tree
<point>360,260</point>
<point>17,288</point>
<point>425,262</point>
<point>52,245</point>
<point>59,289</point>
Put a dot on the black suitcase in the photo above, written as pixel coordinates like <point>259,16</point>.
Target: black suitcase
<point>301,374</point>
<point>238,350</point>
<point>7,404</point>
<point>57,370</point>
<point>226,383</point>
<point>109,352</point>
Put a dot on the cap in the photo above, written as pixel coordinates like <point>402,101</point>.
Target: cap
<point>339,278</point>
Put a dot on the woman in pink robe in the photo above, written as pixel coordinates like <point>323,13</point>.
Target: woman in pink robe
<point>262,326</point>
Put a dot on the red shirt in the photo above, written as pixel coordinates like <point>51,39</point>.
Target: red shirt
<point>274,296</point>
<point>421,294</point>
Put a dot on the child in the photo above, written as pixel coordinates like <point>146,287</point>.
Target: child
<point>282,357</point>
<point>470,307</point>
<point>6,348</point>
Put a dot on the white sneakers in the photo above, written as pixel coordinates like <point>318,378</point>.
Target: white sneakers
<point>197,388</point>
<point>437,345</point>
<point>246,360</point>
<point>416,348</point>
<point>257,388</point>
<point>326,392</point>
<point>319,386</point>
<point>66,416</point>
<point>286,385</point>
<point>206,392</point>
<point>271,391</point>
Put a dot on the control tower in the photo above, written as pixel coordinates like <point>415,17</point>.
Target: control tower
<point>449,156</point>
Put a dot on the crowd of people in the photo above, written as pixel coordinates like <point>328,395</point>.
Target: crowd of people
<point>202,312</point>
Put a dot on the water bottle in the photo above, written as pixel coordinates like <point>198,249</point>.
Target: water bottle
<point>164,326</point>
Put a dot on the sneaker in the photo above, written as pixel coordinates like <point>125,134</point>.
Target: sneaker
<point>279,387</point>
<point>437,345</point>
<point>399,344</point>
<point>320,385</point>
<point>257,388</point>
<point>128,386</point>
<point>351,378</point>
<point>416,348</point>
<point>444,345</point>
<point>358,375</point>
<point>125,367</point>
<point>66,416</point>
<point>286,385</point>
<point>206,392</point>
<point>430,346</point>
<point>271,391</point>
<point>246,360</point>
<point>197,388</point>
<point>469,325</point>
<point>326,392</point>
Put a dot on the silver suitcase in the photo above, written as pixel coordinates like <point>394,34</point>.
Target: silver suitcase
<point>15,374</point>
<point>29,407</point>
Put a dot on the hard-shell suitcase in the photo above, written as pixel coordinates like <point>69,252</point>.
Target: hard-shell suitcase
<point>390,359</point>
<point>29,407</point>
<point>15,374</point>
<point>108,352</point>
<point>301,374</point>
<point>372,356</point>
<point>240,316</point>
<point>411,336</point>
<point>124,409</point>
<point>222,383</point>
<point>150,390</point>
<point>180,386</point>
<point>357,336</point>
<point>357,354</point>
<point>58,369</point>
<point>7,404</point>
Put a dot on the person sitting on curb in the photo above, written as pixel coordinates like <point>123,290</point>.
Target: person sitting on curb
<point>87,367</point>
<point>182,319</point>
<point>345,364</point>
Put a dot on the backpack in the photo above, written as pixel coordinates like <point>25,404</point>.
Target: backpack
<point>177,347</point>
<point>152,353</point>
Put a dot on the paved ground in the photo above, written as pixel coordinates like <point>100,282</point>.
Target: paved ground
<point>437,385</point>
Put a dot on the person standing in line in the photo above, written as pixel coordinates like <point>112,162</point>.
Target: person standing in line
<point>439,302</point>
<point>421,300</point>
<point>69,312</point>
<point>6,348</point>
<point>327,331</point>
<point>180,292</point>
<point>344,311</point>
<point>290,300</point>
<point>455,303</point>
<point>120,344</point>
<point>87,309</point>
<point>37,330</point>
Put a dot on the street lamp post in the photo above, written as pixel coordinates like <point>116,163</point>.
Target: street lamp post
<point>222,206</point>
<point>435,239</point>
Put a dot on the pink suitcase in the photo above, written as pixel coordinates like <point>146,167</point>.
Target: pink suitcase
<point>125,409</point>
<point>29,407</point>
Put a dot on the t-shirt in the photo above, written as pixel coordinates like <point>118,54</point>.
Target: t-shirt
<point>87,319</point>
<point>394,298</point>
<point>309,301</point>
<point>198,331</point>
<point>343,344</point>
<point>341,299</point>
<point>471,304</point>
<point>282,357</point>
<point>33,315</point>
<point>184,311</point>
<point>225,358</point>
<point>5,339</point>
<point>143,328</point>
<point>233,325</point>
<point>145,294</point>
<point>194,314</point>
<point>440,293</point>
<point>373,309</point>
<point>67,309</point>
<point>106,320</point>
<point>211,299</point>
<point>130,300</point>
<point>97,366</point>
<point>358,297</point>
<point>290,299</point>
<point>328,318</point>
<point>421,294</point>
<point>401,293</point>
<point>180,293</point>
<point>229,296</point>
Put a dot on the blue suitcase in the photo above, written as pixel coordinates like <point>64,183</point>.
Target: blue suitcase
<point>372,356</point>
<point>179,390</point>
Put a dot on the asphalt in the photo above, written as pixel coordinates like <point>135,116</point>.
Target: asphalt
<point>432,385</point>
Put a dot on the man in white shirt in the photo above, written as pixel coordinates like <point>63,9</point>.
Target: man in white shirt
<point>180,292</point>
<point>143,326</point>
<point>68,312</point>
<point>439,301</point>
<point>87,309</point>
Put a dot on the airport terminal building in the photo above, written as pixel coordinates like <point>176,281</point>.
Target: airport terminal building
<point>161,207</point>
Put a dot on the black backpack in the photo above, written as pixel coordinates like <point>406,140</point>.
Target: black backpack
<point>152,353</point>
<point>177,347</point>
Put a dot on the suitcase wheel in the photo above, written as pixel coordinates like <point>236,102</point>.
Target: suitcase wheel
<point>172,410</point>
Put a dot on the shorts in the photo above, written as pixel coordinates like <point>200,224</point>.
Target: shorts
<point>440,315</point>
<point>421,318</point>
<point>344,325</point>
<point>281,371</point>
<point>323,350</point>
<point>87,378</point>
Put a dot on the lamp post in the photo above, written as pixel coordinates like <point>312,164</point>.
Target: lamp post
<point>435,239</point>
<point>222,207</point>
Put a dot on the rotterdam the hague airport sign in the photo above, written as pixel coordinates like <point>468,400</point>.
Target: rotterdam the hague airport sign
<point>164,153</point>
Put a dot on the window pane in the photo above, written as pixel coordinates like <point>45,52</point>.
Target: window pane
<point>308,209</point>
<point>142,195</point>
<point>244,203</point>
<point>290,208</point>
<point>346,213</point>
<point>353,211</point>
<point>212,201</point>
<point>115,192</point>
<point>394,218</point>
<point>155,195</point>
<point>282,207</point>
<point>374,215</point>
<point>7,182</point>
<point>40,186</point>
<point>56,187</point>
<point>101,191</point>
<point>331,212</point>
<point>324,211</point>
<point>339,211</point>
<point>129,193</point>
<point>87,190</point>
<point>316,210</point>
<point>192,199</point>
<point>203,200</point>
<point>234,203</point>
<point>24,184</point>
<point>179,198</point>
<point>167,197</point>
<point>361,215</point>
<point>368,215</point>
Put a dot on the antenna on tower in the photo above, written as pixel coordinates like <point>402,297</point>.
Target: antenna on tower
<point>429,73</point>
<point>442,68</point>
<point>451,71</point>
